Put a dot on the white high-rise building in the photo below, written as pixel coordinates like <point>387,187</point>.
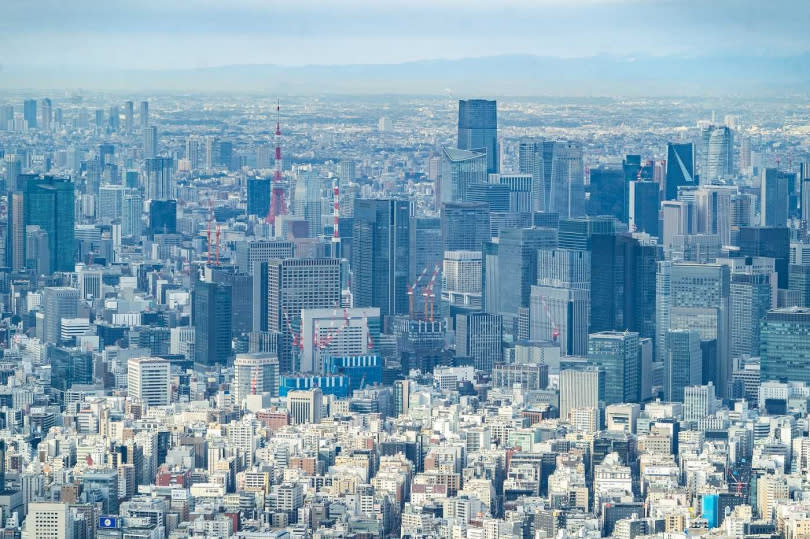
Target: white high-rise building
<point>254,374</point>
<point>305,406</point>
<point>580,389</point>
<point>336,332</point>
<point>48,521</point>
<point>149,380</point>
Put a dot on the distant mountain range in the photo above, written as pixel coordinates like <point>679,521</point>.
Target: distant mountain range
<point>510,75</point>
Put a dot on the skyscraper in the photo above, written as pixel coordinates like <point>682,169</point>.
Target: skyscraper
<point>683,363</point>
<point>30,113</point>
<point>307,201</point>
<point>258,196</point>
<point>567,195</point>
<point>784,353</point>
<point>752,293</point>
<point>59,302</point>
<point>159,181</point>
<point>459,169</point>
<point>643,207</point>
<point>608,192</point>
<point>479,336</point>
<point>46,114</point>
<point>426,251</point>
<point>144,114</point>
<point>295,284</point>
<point>48,202</point>
<point>150,142</point>
<point>531,161</point>
<point>581,388</point>
<point>680,168</point>
<point>254,374</point>
<point>478,129</point>
<point>718,154</point>
<point>380,255</point>
<point>129,117</point>
<point>517,265</point>
<point>617,353</point>
<point>465,226</point>
<point>13,171</point>
<point>560,302</point>
<point>772,242</point>
<point>213,330</point>
<point>774,198</point>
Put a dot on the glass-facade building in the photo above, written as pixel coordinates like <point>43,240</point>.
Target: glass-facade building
<point>785,355</point>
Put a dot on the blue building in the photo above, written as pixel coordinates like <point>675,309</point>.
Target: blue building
<point>360,370</point>
<point>329,384</point>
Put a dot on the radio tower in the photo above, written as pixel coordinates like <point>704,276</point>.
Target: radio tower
<point>277,206</point>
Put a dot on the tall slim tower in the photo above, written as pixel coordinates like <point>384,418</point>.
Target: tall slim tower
<point>277,206</point>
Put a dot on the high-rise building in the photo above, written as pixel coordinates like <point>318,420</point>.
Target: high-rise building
<point>426,250</point>
<point>254,374</point>
<point>159,183</point>
<point>643,207</point>
<point>479,336</point>
<point>293,285</point>
<point>305,406</point>
<point>718,154</point>
<point>683,363</point>
<point>478,129</point>
<point>608,192</point>
<point>129,117</point>
<point>213,325</point>
<point>307,202</point>
<point>784,354</point>
<point>465,226</point>
<point>13,171</point>
<point>697,297</point>
<point>459,170</point>
<point>131,212</point>
<point>774,198</point>
<point>59,302</point>
<point>752,293</point>
<point>800,283</point>
<point>618,354</point>
<point>48,520</point>
<point>144,114</point>
<point>771,242</point>
<point>534,157</point>
<point>680,168</point>
<point>258,196</point>
<point>30,113</point>
<point>567,194</point>
<point>149,380</point>
<point>517,266</point>
<point>150,142</point>
<point>162,217</point>
<point>462,279</point>
<point>380,255</point>
<point>581,388</point>
<point>250,253</point>
<point>560,302</point>
<point>45,114</point>
<point>48,202</point>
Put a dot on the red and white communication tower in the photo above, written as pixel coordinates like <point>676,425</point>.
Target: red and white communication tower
<point>277,205</point>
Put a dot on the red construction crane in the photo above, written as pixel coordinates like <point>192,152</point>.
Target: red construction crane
<point>219,232</point>
<point>296,336</point>
<point>429,295</point>
<point>555,329</point>
<point>412,289</point>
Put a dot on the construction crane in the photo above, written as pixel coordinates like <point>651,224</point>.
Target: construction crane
<point>429,295</point>
<point>219,232</point>
<point>297,342</point>
<point>555,329</point>
<point>412,289</point>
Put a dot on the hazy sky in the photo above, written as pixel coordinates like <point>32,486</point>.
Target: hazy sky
<point>202,33</point>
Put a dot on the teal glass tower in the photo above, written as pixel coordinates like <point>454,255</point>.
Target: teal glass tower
<point>49,203</point>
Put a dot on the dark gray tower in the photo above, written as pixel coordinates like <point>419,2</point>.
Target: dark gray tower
<point>478,128</point>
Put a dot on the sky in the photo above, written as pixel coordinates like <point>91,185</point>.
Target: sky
<point>180,34</point>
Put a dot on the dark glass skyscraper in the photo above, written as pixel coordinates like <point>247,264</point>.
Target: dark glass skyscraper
<point>30,112</point>
<point>213,329</point>
<point>772,242</point>
<point>680,168</point>
<point>49,202</point>
<point>258,197</point>
<point>478,128</point>
<point>465,226</point>
<point>608,192</point>
<point>380,255</point>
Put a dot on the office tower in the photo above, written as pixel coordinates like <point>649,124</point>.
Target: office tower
<point>131,211</point>
<point>48,202</point>
<point>380,256</point>
<point>162,217</point>
<point>495,194</point>
<point>618,354</point>
<point>241,285</point>
<point>293,285</point>
<point>771,242</point>
<point>59,302</point>
<point>784,354</point>
<point>347,170</point>
<point>305,406</point>
<point>110,202</point>
<point>517,266</point>
<point>36,248</point>
<point>15,239</point>
<point>48,521</point>
<point>683,363</point>
<point>774,198</point>
<point>567,194</point>
<point>697,297</point>
<point>462,279</point>
<point>713,208</point>
<point>799,282</point>
<point>45,114</point>
<point>459,170</point>
<point>465,226</point>
<point>144,114</point>
<point>13,171</point>
<point>129,117</point>
<point>6,117</point>
<point>99,120</point>
<point>479,337</point>
<point>115,119</point>
<point>718,154</point>
<point>149,380</point>
<point>678,219</point>
<point>307,202</point>
<point>521,189</point>
<point>643,206</point>
<point>752,293</point>
<point>531,161</point>
<point>150,142</point>
<point>581,388</point>
<point>680,168</point>
<point>560,302</point>
<point>159,183</point>
<point>254,374</point>
<point>250,253</point>
<point>478,129</point>
<point>213,329</point>
<point>258,196</point>
<point>426,251</point>
<point>608,190</point>
<point>30,113</point>
<point>211,146</point>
